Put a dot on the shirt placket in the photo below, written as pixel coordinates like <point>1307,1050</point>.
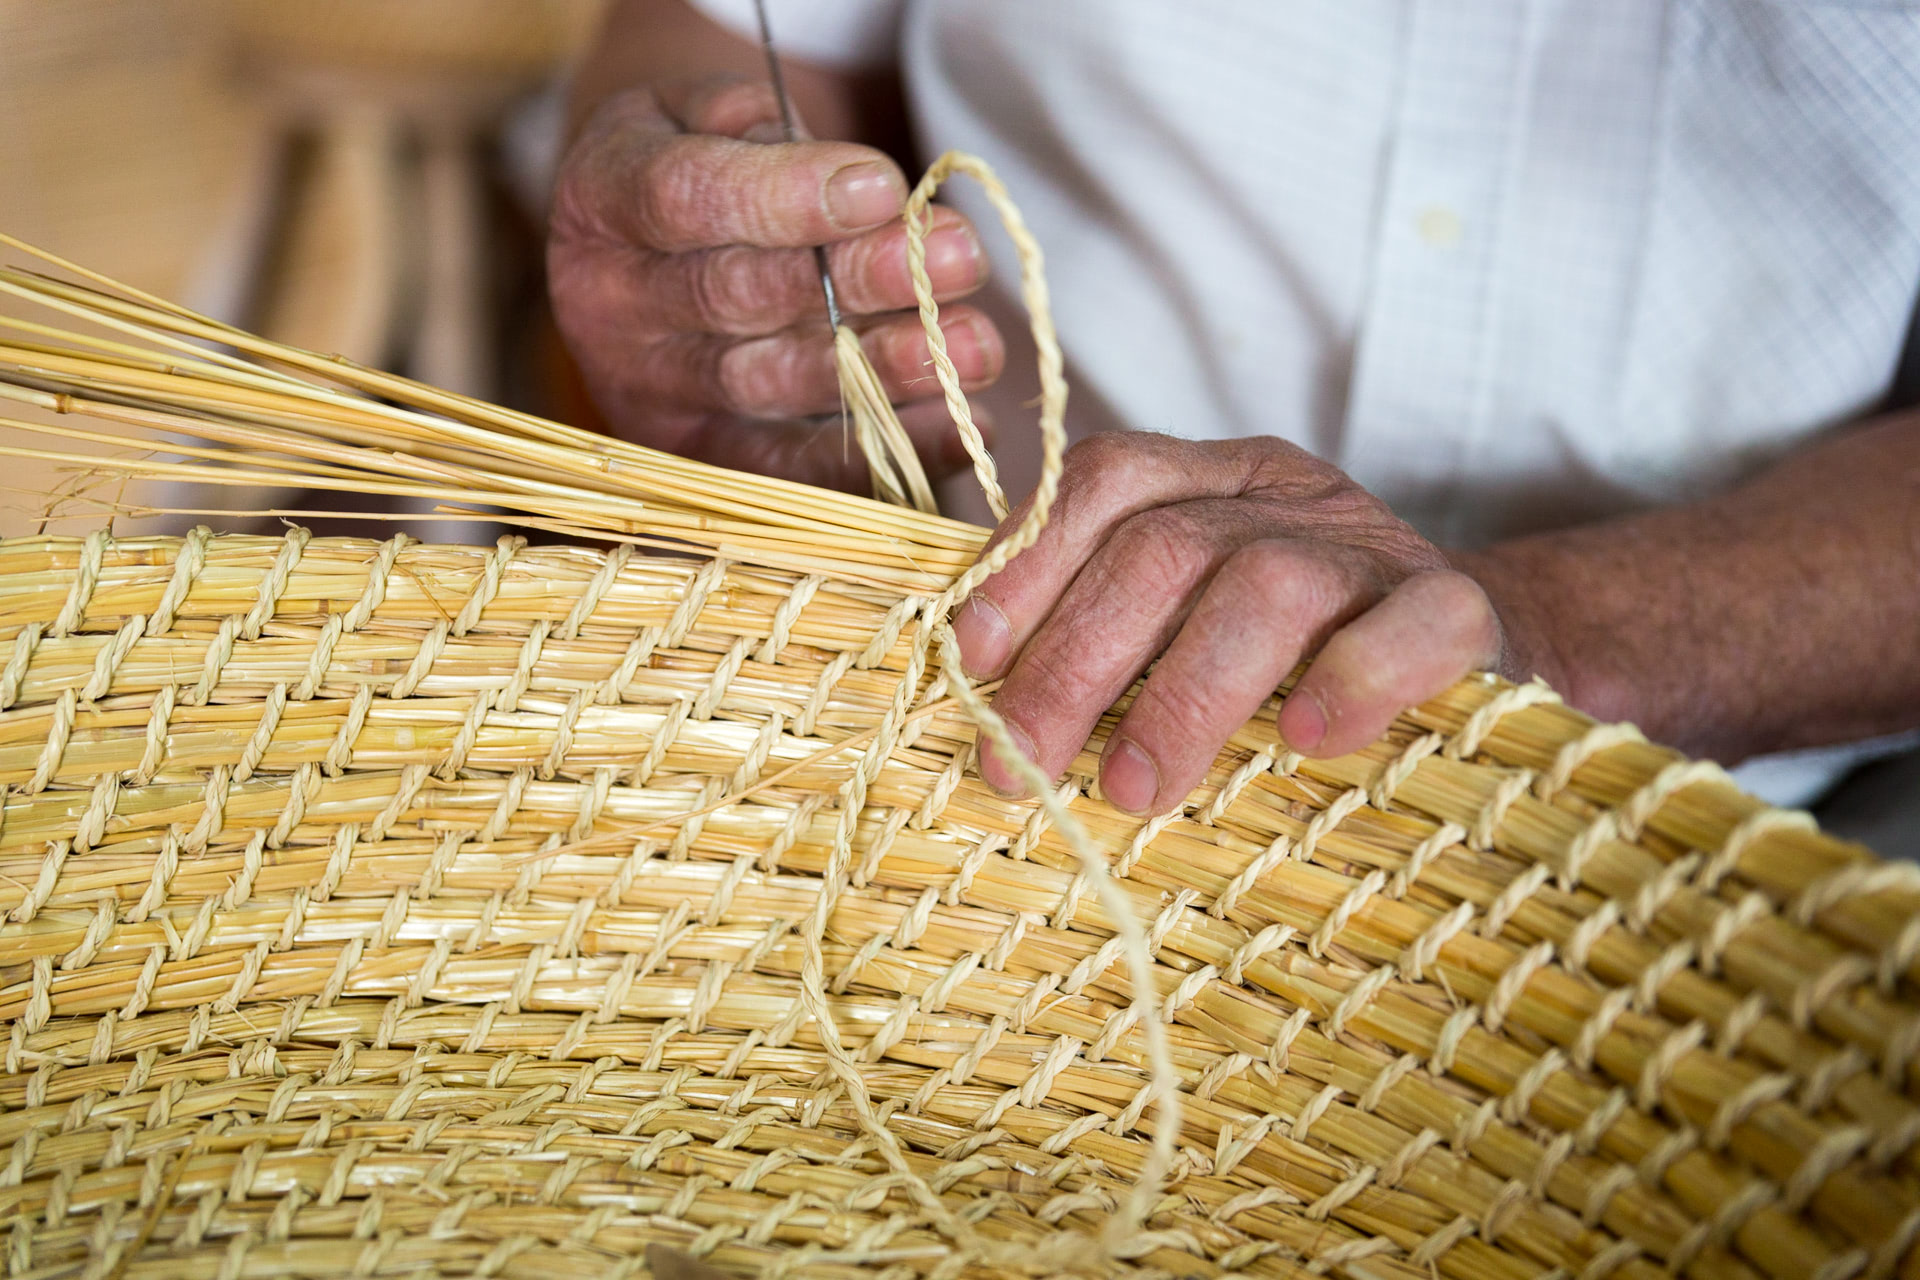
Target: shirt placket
<point>1419,381</point>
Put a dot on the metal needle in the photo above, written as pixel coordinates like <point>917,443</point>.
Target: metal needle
<point>786,121</point>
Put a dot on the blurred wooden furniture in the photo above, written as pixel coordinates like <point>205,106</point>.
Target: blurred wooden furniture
<point>318,171</point>
<point>386,256</point>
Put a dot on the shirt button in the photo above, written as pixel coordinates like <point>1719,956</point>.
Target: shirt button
<point>1439,226</point>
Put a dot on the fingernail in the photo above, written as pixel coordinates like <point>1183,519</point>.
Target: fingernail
<point>984,635</point>
<point>1306,721</point>
<point>862,195</point>
<point>765,131</point>
<point>954,257</point>
<point>1128,778</point>
<point>996,773</point>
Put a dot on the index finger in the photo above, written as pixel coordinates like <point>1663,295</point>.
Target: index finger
<point>634,178</point>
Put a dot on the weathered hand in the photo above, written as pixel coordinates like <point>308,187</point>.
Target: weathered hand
<point>680,261</point>
<point>1230,562</point>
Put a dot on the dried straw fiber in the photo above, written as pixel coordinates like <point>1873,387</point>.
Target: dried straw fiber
<point>385,908</point>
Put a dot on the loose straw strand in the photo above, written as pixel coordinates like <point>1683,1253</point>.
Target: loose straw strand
<point>897,474</point>
<point>919,222</point>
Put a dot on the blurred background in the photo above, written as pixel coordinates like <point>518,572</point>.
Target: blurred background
<point>354,176</point>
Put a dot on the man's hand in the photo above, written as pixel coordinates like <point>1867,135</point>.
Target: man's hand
<point>680,260</point>
<point>1230,562</point>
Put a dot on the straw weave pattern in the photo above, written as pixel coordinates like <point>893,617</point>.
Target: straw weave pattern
<point>387,909</point>
<point>382,908</point>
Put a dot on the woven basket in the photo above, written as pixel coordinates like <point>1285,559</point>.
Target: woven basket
<point>385,908</point>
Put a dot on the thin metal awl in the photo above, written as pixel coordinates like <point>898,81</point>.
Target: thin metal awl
<point>786,121</point>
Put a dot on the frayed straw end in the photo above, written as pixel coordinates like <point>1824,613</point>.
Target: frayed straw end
<point>897,474</point>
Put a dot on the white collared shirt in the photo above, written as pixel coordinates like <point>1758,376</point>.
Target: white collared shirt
<point>1512,264</point>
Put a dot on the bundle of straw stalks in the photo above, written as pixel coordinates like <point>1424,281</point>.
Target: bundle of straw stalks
<point>378,908</point>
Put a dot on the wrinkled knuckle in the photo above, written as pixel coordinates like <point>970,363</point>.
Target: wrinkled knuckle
<point>1056,681</point>
<point>1272,571</point>
<point>674,196</point>
<point>1102,454</point>
<point>729,290</point>
<point>1163,545</point>
<point>1273,463</point>
<point>782,205</point>
<point>1352,506</point>
<point>1273,451</point>
<point>858,267</point>
<point>1403,545</point>
<point>1104,464</point>
<point>747,378</point>
<point>1178,711</point>
<point>1292,580</point>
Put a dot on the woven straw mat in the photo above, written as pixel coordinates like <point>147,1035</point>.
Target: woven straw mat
<point>291,990</point>
<point>386,909</point>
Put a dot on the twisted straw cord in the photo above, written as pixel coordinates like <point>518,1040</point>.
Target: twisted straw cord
<point>1123,1234</point>
<point>1034,289</point>
<point>1124,1229</point>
